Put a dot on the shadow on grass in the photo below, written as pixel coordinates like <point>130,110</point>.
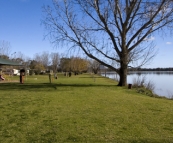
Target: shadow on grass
<point>169,140</point>
<point>91,77</point>
<point>43,86</point>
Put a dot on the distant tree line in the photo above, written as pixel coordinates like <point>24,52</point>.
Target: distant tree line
<point>45,62</point>
<point>77,65</point>
<point>151,69</point>
<point>147,69</point>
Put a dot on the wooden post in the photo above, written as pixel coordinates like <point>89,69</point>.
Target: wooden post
<point>50,79</point>
<point>22,73</point>
<point>129,86</point>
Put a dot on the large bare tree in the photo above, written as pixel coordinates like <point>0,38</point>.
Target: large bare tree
<point>109,31</point>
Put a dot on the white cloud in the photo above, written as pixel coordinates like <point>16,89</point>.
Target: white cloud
<point>149,38</point>
<point>168,43</point>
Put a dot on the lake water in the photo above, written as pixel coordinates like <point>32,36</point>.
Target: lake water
<point>162,80</point>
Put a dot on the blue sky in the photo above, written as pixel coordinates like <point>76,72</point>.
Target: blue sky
<point>20,24</point>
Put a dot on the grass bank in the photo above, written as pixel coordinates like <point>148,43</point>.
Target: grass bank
<point>81,109</point>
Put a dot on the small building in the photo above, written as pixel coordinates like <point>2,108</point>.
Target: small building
<point>8,63</point>
<point>16,72</point>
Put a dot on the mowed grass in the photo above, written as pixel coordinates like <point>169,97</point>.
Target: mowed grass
<point>81,108</point>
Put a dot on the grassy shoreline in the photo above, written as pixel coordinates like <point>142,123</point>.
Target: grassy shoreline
<point>81,108</point>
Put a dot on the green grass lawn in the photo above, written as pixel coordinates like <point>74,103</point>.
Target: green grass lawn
<point>81,109</point>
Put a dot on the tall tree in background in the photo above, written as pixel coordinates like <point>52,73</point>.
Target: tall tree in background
<point>55,61</point>
<point>5,49</point>
<point>18,57</point>
<point>94,65</point>
<point>36,67</point>
<point>110,31</point>
<point>43,58</point>
<point>78,65</point>
<point>65,64</point>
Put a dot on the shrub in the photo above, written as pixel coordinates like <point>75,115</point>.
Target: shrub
<point>144,87</point>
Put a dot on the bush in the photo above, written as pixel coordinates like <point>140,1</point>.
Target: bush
<point>144,87</point>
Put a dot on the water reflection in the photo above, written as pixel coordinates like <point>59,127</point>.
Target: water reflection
<point>162,80</point>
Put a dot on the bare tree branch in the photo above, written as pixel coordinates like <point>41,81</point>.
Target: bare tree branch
<point>109,31</point>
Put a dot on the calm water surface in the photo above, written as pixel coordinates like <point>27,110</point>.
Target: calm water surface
<point>162,80</point>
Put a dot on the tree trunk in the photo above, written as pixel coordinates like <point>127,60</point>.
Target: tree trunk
<point>123,71</point>
<point>123,76</point>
